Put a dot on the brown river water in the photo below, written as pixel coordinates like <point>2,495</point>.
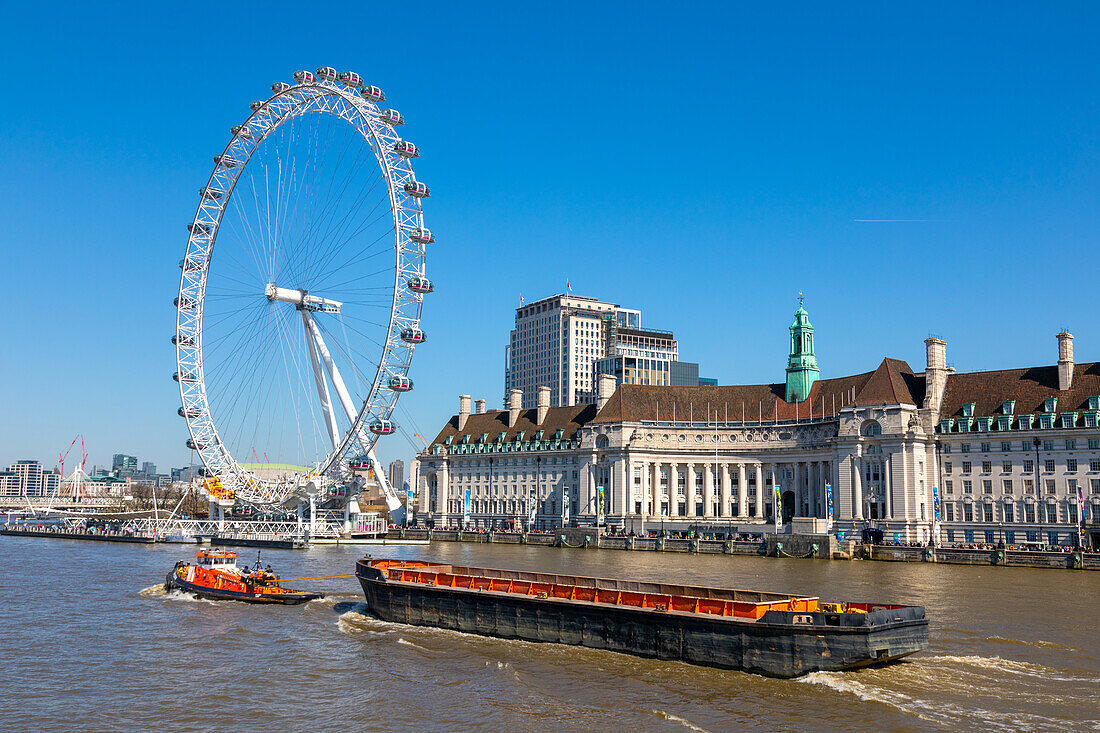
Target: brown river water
<point>90,642</point>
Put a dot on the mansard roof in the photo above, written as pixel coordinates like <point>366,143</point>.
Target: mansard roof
<point>568,419</point>
<point>893,382</point>
<point>1028,387</point>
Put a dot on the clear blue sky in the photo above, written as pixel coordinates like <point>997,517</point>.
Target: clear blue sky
<point>702,162</point>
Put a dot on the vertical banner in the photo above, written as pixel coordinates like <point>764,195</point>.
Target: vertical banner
<point>828,507</point>
<point>599,505</point>
<point>778,504</point>
<point>935,514</point>
<point>411,498</point>
<point>1081,516</point>
<point>565,506</point>
<point>531,506</point>
<point>466,507</point>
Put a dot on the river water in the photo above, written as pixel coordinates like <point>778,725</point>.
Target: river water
<point>90,641</point>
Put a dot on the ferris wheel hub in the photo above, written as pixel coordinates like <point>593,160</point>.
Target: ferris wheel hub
<point>301,299</point>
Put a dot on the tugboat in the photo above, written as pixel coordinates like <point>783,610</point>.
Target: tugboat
<point>216,577</point>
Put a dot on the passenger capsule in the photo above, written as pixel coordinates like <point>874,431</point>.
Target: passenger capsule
<point>420,285</point>
<point>183,341</point>
<point>185,303</point>
<point>413,336</point>
<point>350,78</point>
<point>188,412</point>
<point>279,87</point>
<point>190,265</point>
<point>183,376</point>
<point>422,235</point>
<point>382,427</point>
<point>359,464</point>
<point>372,93</point>
<point>303,77</point>
<point>256,106</point>
<point>226,161</point>
<point>195,445</point>
<point>326,73</point>
<point>391,117</point>
<point>400,384</point>
<point>242,131</point>
<point>209,192</point>
<point>406,149</point>
<point>417,189</point>
<point>198,228</point>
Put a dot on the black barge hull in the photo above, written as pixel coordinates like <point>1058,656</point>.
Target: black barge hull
<point>775,645</point>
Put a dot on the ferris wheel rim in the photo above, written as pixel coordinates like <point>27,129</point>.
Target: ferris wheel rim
<point>287,104</point>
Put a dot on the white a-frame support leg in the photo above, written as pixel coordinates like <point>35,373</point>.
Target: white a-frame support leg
<point>319,377</point>
<point>317,347</point>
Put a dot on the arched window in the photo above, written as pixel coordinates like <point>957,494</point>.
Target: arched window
<point>870,429</point>
<point>602,441</point>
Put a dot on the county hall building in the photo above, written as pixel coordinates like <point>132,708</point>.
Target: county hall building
<point>1010,455</point>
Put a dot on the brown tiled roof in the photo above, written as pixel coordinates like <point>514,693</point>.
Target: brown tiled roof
<point>493,422</point>
<point>893,382</point>
<point>1029,387</point>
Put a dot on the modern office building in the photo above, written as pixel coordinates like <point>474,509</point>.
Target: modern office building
<point>28,478</point>
<point>123,465</point>
<point>149,468</point>
<point>911,453</point>
<point>395,474</point>
<point>556,340</point>
<point>565,341</point>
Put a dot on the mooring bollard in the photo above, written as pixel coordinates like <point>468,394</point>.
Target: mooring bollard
<point>727,547</point>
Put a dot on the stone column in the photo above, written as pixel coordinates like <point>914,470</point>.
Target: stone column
<point>857,488</point>
<point>887,484</point>
<point>742,492</point>
<point>724,490</point>
<point>708,490</point>
<point>655,488</point>
<point>758,490</point>
<point>689,490</point>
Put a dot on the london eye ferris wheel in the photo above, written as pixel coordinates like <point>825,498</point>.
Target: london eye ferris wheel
<point>301,291</point>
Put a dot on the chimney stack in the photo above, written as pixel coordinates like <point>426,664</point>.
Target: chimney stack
<point>515,401</point>
<point>463,410</point>
<point>1065,361</point>
<point>935,374</point>
<point>479,407</point>
<point>543,404</point>
<point>605,387</point>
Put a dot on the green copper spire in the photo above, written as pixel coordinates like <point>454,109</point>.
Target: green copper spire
<point>802,369</point>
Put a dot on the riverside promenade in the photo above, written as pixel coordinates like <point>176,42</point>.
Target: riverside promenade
<point>777,546</point>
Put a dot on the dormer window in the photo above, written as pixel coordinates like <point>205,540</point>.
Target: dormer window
<point>1004,423</point>
<point>558,434</point>
<point>1050,404</point>
<point>465,440</point>
<point>1094,402</point>
<point>1046,422</point>
<point>519,436</point>
<point>448,439</point>
<point>1024,422</point>
<point>1069,419</point>
<point>484,438</point>
<point>945,425</point>
<point>968,409</point>
<point>539,434</point>
<point>1008,407</point>
<point>983,424</point>
<point>964,424</point>
<point>500,437</point>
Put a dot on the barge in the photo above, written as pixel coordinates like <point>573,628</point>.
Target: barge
<point>773,634</point>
